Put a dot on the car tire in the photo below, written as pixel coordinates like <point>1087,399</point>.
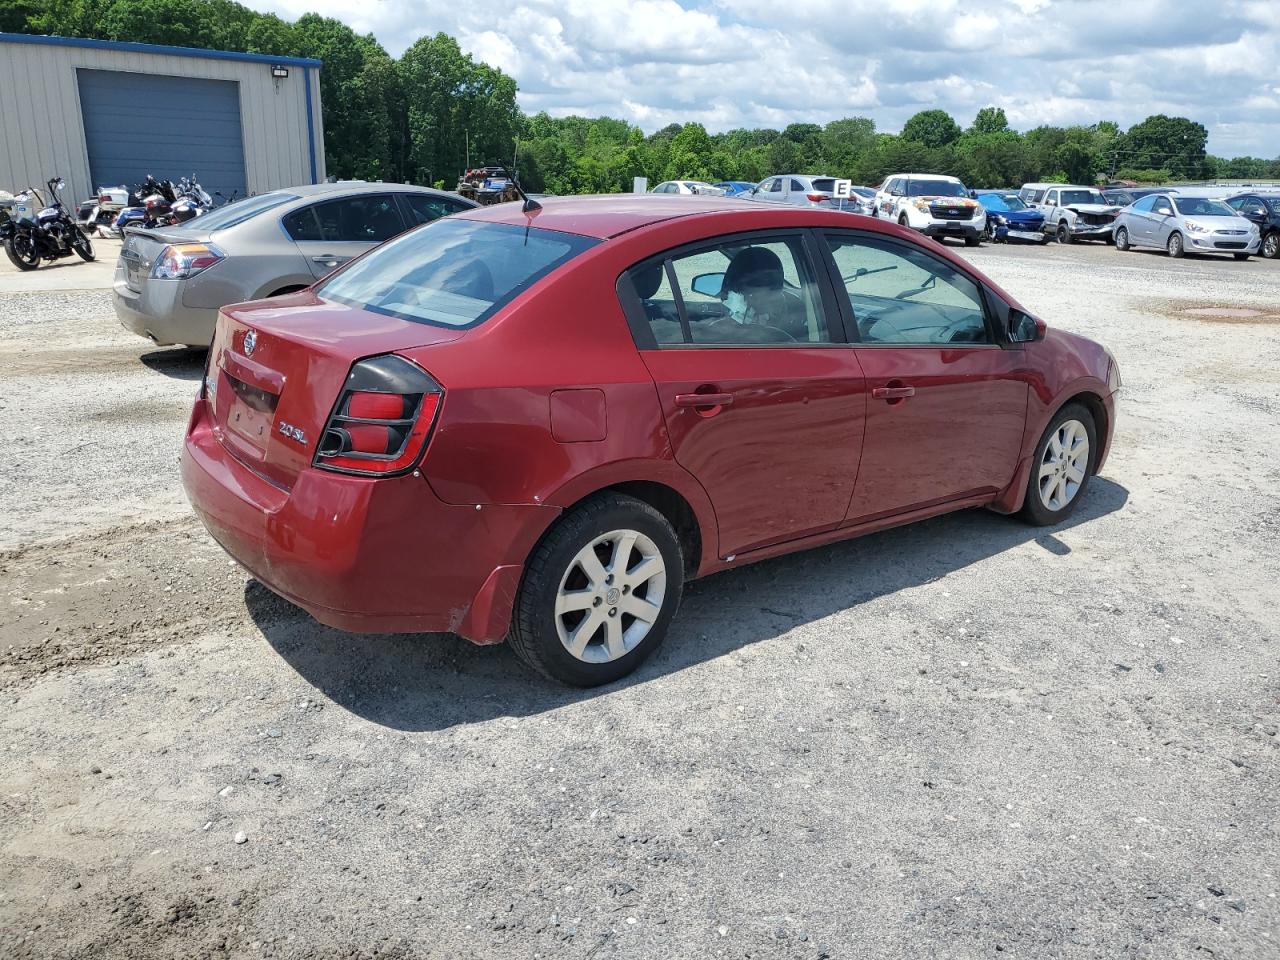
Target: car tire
<point>22,253</point>
<point>989,233</point>
<point>558,597</point>
<point>1242,256</point>
<point>1064,232</point>
<point>1122,239</point>
<point>1175,245</point>
<point>1053,492</point>
<point>1271,245</point>
<point>972,241</point>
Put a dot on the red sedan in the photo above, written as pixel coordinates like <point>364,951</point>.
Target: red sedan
<point>540,425</point>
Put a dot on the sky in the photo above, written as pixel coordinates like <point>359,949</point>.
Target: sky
<point>760,63</point>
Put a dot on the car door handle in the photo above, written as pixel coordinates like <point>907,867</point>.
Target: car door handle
<point>893,393</point>
<point>325,258</point>
<point>703,399</point>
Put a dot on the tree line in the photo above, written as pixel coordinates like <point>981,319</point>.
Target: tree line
<point>421,118</point>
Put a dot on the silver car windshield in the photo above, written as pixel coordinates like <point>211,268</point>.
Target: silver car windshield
<point>1202,207</point>
<point>452,273</point>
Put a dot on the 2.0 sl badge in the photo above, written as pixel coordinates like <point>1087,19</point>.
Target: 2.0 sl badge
<point>292,432</point>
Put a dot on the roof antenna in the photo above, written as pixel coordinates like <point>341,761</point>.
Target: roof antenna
<point>528,205</point>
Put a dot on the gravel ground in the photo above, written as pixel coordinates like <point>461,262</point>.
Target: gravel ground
<point>965,738</point>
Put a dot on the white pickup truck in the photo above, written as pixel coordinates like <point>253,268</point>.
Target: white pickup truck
<point>1071,212</point>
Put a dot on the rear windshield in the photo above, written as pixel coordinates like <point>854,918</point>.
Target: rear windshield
<point>934,188</point>
<point>452,273</point>
<point>824,184</point>
<point>241,210</point>
<point>1202,207</point>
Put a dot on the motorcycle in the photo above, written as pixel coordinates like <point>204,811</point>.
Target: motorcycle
<point>98,213</point>
<point>149,206</point>
<point>192,200</point>
<point>51,235</point>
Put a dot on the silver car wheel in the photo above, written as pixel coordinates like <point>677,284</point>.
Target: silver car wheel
<point>610,596</point>
<point>1064,464</point>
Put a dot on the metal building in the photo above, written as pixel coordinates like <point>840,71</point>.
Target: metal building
<point>105,113</point>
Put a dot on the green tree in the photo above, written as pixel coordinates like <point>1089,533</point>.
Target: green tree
<point>933,128</point>
<point>990,120</point>
<point>1160,142</point>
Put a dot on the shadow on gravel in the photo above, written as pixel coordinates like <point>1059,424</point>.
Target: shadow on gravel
<point>431,681</point>
<point>181,363</point>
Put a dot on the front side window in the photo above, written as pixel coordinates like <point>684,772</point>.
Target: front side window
<point>1249,206</point>
<point>452,273</point>
<point>1051,198</point>
<point>367,218</point>
<point>775,185</point>
<point>905,296</point>
<point>742,292</point>
<point>425,207</point>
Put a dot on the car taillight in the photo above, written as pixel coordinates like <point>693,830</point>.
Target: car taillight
<point>815,197</point>
<point>183,260</point>
<point>382,420</point>
<point>104,198</point>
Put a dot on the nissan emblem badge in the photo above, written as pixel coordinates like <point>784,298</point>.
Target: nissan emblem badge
<point>250,341</point>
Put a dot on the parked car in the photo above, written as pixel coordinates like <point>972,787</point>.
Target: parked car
<point>170,281</point>
<point>542,427</point>
<point>865,199</point>
<point>688,188</point>
<point>1263,210</point>
<point>1123,196</point>
<point>803,190</point>
<point>934,204</point>
<point>733,188</point>
<point>1184,223</point>
<point>1008,218</point>
<point>1071,212</point>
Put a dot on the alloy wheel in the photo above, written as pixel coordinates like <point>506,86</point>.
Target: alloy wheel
<point>1271,246</point>
<point>610,596</point>
<point>1063,465</point>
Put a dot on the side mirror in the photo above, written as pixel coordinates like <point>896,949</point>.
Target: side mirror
<point>59,185</point>
<point>708,284</point>
<point>1024,328</point>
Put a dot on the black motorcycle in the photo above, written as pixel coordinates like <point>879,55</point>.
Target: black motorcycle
<point>51,235</point>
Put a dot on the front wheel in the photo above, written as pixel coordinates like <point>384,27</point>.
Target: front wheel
<point>1061,466</point>
<point>599,592</point>
<point>1064,233</point>
<point>22,251</point>
<point>83,246</point>
<point>1122,239</point>
<point>1175,246</point>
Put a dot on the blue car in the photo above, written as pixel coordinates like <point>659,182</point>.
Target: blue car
<point>1008,218</point>
<point>732,188</point>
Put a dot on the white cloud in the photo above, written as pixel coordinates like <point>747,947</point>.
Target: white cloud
<point>730,63</point>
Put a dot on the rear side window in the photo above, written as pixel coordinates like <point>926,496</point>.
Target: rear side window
<point>302,225</point>
<point>241,210</point>
<point>368,218</point>
<point>425,207</point>
<point>452,273</point>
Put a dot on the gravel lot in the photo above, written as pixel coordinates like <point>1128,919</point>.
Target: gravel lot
<point>966,738</point>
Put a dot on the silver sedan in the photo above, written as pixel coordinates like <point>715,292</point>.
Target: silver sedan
<point>1180,223</point>
<point>170,281</point>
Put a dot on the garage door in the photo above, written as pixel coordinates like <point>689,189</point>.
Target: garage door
<point>141,123</point>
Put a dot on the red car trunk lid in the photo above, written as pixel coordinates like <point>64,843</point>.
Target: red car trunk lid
<point>276,368</point>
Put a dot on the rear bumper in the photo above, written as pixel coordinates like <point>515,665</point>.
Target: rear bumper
<point>364,555</point>
<point>158,313</point>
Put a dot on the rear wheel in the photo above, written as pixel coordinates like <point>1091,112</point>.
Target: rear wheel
<point>1064,232</point>
<point>22,251</point>
<point>599,592</point>
<point>1271,245</point>
<point>1061,466</point>
<point>1122,239</point>
<point>1174,246</point>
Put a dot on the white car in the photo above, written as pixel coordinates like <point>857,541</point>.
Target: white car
<point>936,205</point>
<point>688,188</point>
<point>1072,212</point>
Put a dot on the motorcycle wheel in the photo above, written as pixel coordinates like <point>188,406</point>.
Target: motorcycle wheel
<point>83,246</point>
<point>22,252</point>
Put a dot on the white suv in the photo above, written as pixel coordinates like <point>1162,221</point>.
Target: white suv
<point>936,205</point>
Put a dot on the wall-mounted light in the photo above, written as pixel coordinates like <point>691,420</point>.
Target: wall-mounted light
<point>279,72</point>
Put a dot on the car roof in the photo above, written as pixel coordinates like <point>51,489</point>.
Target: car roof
<point>924,176</point>
<point>611,214</point>
<point>358,186</point>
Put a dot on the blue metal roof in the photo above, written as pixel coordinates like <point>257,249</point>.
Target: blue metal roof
<point>159,49</point>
